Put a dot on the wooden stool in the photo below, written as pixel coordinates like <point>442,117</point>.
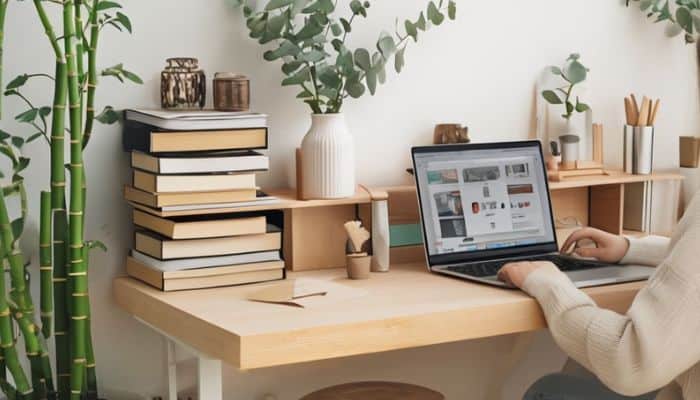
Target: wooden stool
<point>375,391</point>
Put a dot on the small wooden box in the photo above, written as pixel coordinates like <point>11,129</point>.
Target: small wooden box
<point>689,151</point>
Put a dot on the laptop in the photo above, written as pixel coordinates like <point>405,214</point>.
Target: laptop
<point>484,205</point>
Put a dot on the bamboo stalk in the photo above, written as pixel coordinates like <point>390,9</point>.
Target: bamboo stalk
<point>92,74</point>
<point>45,265</point>
<point>58,208</point>
<point>78,271</point>
<point>79,48</point>
<point>6,337</point>
<point>91,373</point>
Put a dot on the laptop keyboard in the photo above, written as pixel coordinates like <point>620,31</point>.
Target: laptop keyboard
<point>490,268</point>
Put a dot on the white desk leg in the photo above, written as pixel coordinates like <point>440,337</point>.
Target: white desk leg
<point>209,378</point>
<point>520,346</point>
<point>172,369</point>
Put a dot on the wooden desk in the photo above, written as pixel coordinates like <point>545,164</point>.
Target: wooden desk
<point>406,307</point>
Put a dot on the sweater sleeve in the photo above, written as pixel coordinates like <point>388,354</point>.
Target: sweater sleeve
<point>642,350</point>
<point>649,250</point>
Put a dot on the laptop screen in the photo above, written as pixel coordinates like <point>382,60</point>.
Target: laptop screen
<point>483,200</point>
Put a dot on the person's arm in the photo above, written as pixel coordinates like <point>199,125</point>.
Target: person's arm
<point>649,250</point>
<point>642,350</point>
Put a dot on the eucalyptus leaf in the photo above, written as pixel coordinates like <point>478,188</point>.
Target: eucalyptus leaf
<point>386,46</point>
<point>336,29</point>
<point>371,79</point>
<point>684,19</point>
<point>421,22</point>
<point>673,29</point>
<point>551,97</point>
<point>575,72</point>
<point>452,10</point>
<point>362,59</point>
<point>346,25</point>
<point>275,4</point>
<point>309,30</point>
<point>434,14</point>
<point>411,30</point>
<point>582,107</point>
<point>355,90</point>
<point>298,78</point>
<point>399,60</point>
<point>555,70</point>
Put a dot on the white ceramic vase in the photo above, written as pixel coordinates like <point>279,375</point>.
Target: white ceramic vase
<point>328,158</point>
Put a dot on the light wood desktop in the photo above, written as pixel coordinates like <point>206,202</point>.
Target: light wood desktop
<point>404,308</point>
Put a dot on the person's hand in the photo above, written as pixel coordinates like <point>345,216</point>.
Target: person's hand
<point>516,273</point>
<point>609,248</point>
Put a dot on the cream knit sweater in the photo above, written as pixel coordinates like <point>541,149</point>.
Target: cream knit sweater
<point>657,341</point>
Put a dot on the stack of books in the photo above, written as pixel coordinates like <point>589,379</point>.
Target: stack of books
<point>190,170</point>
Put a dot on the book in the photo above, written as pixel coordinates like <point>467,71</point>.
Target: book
<point>263,202</point>
<point>205,277</point>
<point>196,120</point>
<point>165,200</point>
<point>166,249</point>
<point>205,262</point>
<point>192,183</point>
<point>150,139</point>
<point>180,163</point>
<point>197,227</point>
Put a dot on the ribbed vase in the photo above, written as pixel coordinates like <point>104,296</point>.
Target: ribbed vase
<point>328,158</point>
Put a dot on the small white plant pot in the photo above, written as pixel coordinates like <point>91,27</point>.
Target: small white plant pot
<point>328,158</point>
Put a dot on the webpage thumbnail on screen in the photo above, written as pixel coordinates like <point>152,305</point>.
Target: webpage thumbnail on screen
<point>483,199</point>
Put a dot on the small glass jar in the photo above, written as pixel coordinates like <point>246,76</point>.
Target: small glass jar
<point>182,84</point>
<point>231,92</point>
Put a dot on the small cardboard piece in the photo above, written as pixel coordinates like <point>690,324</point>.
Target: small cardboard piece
<point>305,293</point>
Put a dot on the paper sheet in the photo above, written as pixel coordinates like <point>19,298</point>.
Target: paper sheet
<point>305,293</point>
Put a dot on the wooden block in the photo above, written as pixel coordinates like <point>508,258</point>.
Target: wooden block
<point>607,207</point>
<point>314,237</point>
<point>578,172</point>
<point>374,391</point>
<point>403,205</point>
<point>598,143</point>
<point>300,177</point>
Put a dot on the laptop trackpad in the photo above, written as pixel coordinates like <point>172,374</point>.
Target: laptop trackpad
<point>608,275</point>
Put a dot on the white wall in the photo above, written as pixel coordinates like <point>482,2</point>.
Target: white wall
<point>479,70</point>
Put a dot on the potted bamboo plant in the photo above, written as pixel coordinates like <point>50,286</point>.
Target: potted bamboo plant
<point>63,249</point>
<point>309,37</point>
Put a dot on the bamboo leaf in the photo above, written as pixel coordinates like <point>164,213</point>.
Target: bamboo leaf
<point>106,5</point>
<point>34,137</point>
<point>17,227</point>
<point>108,116</point>
<point>18,142</point>
<point>19,81</point>
<point>4,135</point>
<point>124,20</point>
<point>28,116</point>
<point>95,244</point>
<point>132,77</point>
<point>23,162</point>
<point>44,111</point>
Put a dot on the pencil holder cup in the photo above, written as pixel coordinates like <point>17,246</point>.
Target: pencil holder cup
<point>358,265</point>
<point>628,149</point>
<point>643,157</point>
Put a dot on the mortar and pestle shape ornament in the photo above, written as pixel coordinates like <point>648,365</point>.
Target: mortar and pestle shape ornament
<point>358,248</point>
<point>555,159</point>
